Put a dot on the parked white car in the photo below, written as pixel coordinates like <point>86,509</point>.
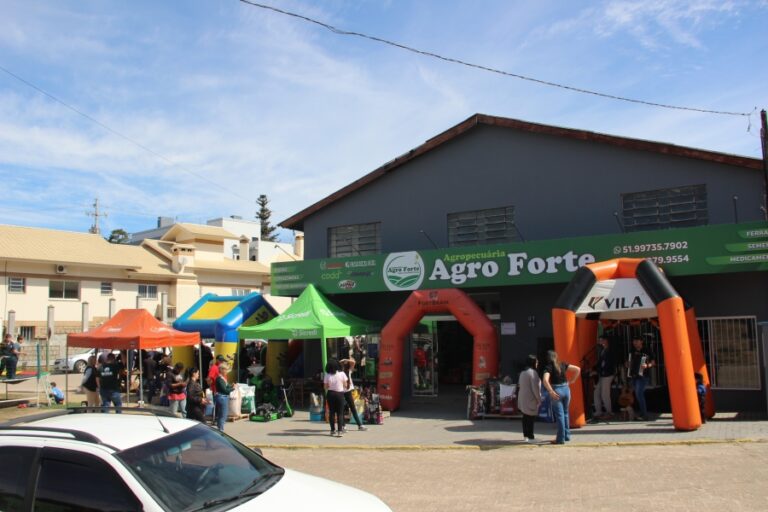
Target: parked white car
<point>145,461</point>
<point>75,362</point>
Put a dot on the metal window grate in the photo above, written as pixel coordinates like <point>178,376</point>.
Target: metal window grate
<point>17,285</point>
<point>106,288</point>
<point>482,227</point>
<point>731,351</point>
<point>665,208</point>
<point>354,240</point>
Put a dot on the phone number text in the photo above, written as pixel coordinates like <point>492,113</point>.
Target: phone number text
<point>654,247</point>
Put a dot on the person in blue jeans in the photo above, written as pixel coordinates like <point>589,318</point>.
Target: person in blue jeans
<point>640,360</point>
<point>108,381</point>
<point>221,398</point>
<point>557,376</point>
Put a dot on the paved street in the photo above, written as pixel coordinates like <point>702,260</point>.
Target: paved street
<point>428,457</point>
<point>711,477</point>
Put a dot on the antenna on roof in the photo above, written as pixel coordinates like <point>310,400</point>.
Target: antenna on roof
<point>95,228</point>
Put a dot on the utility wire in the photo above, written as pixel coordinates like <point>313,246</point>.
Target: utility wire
<point>489,69</point>
<point>154,153</point>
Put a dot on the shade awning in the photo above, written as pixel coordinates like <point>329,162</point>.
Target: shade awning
<point>311,316</point>
<point>132,329</point>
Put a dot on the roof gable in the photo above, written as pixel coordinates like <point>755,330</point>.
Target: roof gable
<point>297,221</point>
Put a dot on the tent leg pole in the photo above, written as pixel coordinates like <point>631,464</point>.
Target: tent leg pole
<point>323,353</point>
<point>141,381</point>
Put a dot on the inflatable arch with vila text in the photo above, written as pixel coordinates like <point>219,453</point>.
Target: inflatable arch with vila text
<point>628,288</point>
<point>485,357</point>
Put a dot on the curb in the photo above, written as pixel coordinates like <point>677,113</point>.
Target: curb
<point>510,445</point>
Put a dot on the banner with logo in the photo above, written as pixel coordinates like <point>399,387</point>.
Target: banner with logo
<point>684,251</point>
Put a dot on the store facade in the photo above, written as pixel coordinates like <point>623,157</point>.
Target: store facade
<point>507,211</point>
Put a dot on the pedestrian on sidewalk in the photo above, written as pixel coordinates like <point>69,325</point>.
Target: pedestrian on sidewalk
<point>336,384</point>
<point>221,398</point>
<point>196,401</point>
<point>604,371</point>
<point>90,383</point>
<point>557,377</point>
<point>347,366</point>
<point>529,396</point>
<point>640,361</point>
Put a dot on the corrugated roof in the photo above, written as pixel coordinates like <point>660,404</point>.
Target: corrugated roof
<point>297,221</point>
<point>183,231</point>
<point>18,243</point>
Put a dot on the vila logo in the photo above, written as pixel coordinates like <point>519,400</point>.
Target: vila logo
<point>594,301</point>
<point>616,302</point>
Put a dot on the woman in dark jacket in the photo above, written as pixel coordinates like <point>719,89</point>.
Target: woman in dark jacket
<point>221,398</point>
<point>196,401</point>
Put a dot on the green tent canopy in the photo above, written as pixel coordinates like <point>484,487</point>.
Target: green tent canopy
<point>311,316</point>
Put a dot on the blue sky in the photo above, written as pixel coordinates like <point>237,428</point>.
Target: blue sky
<point>230,101</point>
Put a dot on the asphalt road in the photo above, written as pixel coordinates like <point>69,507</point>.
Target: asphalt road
<point>700,477</point>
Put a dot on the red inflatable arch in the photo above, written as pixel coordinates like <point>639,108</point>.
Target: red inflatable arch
<point>485,358</point>
<point>579,308</point>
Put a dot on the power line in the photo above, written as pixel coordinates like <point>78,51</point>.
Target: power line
<point>154,153</point>
<point>487,68</point>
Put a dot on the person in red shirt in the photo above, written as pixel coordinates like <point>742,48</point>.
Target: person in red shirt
<point>213,373</point>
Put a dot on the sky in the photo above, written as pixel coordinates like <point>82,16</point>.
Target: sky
<point>192,109</point>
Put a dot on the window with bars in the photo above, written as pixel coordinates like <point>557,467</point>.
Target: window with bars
<point>148,291</point>
<point>63,290</point>
<point>677,207</point>
<point>17,285</point>
<point>354,240</point>
<point>240,292</point>
<point>106,288</point>
<point>482,227</point>
<point>731,351</point>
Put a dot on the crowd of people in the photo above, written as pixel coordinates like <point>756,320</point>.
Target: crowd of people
<point>556,376</point>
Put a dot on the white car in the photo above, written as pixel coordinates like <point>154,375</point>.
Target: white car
<point>74,363</point>
<point>146,461</point>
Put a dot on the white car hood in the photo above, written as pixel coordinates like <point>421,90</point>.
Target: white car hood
<point>299,491</point>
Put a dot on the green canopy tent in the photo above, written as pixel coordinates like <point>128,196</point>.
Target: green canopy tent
<point>311,316</point>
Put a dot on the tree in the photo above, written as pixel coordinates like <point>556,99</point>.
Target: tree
<point>118,236</point>
<point>264,213</point>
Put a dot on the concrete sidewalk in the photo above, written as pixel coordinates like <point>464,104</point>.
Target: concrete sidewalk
<point>441,424</point>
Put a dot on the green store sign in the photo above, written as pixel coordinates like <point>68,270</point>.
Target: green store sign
<point>684,251</point>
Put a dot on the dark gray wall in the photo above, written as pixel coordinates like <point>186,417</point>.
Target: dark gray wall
<point>559,187</point>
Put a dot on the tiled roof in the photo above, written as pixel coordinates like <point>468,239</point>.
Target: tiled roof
<point>226,265</point>
<point>40,245</point>
<point>183,232</point>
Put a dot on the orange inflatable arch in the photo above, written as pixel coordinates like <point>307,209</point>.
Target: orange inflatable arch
<point>485,357</point>
<point>575,331</point>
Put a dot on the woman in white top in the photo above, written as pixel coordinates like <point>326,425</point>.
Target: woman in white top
<point>335,384</point>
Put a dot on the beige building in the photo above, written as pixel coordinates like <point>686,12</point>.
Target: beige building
<point>79,279</point>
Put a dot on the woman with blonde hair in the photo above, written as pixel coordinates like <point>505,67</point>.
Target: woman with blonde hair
<point>221,399</point>
<point>558,375</point>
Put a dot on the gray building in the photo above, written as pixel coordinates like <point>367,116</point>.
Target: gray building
<point>495,182</point>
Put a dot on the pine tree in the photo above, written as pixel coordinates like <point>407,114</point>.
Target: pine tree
<point>264,213</point>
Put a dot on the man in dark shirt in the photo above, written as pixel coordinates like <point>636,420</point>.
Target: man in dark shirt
<point>109,383</point>
<point>640,361</point>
